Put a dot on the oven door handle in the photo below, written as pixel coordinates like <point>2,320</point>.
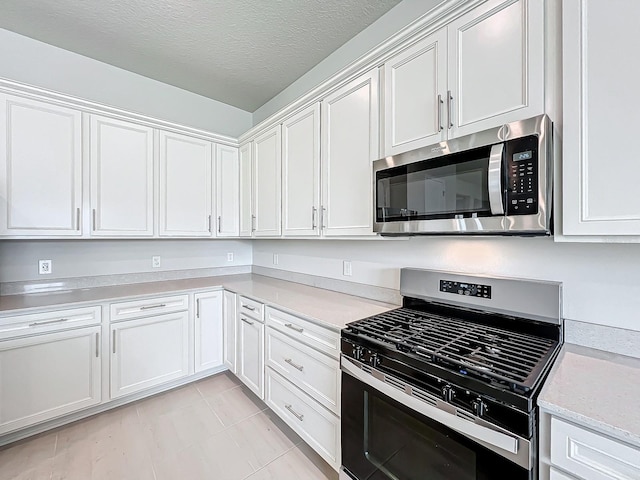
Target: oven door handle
<point>465,427</point>
<point>495,179</point>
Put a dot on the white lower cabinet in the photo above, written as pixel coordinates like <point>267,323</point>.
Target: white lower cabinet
<point>208,330</point>
<point>229,330</point>
<point>250,358</point>
<point>148,351</point>
<point>46,376</point>
<point>316,425</point>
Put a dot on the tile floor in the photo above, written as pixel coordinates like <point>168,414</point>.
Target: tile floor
<point>213,429</point>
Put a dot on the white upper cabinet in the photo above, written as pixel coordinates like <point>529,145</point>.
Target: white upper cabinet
<point>121,178</point>
<point>301,173</point>
<point>267,168</point>
<point>227,192</point>
<point>496,65</point>
<point>600,93</point>
<point>245,157</point>
<point>185,186</point>
<point>415,90</point>
<point>40,168</point>
<point>349,145</point>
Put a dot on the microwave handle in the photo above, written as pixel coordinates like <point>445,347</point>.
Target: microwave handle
<point>495,179</point>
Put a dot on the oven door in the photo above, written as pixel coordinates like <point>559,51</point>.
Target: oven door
<point>383,438</point>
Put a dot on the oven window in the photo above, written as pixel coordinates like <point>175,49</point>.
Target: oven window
<point>405,448</point>
<point>438,188</point>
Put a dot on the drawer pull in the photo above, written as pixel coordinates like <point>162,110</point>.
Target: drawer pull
<point>296,414</point>
<point>290,362</point>
<point>149,307</point>
<point>253,309</point>
<point>48,322</point>
<point>246,321</point>
<point>293,327</point>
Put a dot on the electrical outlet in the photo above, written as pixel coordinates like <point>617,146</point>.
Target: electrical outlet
<point>230,257</point>
<point>275,258</point>
<point>44,267</point>
<point>346,268</point>
<point>155,261</point>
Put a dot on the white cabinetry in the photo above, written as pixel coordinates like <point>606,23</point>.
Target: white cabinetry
<point>229,330</point>
<point>227,192</point>
<point>245,155</point>
<point>52,369</point>
<point>600,90</point>
<point>349,145</point>
<point>301,173</point>
<point>208,330</point>
<point>415,94</point>
<point>267,168</point>
<point>250,355</point>
<point>121,178</point>
<point>149,351</point>
<point>185,186</point>
<point>40,168</point>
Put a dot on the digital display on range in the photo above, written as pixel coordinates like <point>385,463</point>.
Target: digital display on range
<point>469,289</point>
<point>517,157</point>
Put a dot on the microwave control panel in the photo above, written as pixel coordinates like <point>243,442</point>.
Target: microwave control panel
<point>522,176</point>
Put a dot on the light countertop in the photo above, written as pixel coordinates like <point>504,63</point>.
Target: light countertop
<point>596,389</point>
<point>322,306</point>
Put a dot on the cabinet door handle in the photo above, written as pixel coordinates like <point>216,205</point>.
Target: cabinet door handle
<point>449,109</point>
<point>314,211</point>
<point>294,365</point>
<point>149,307</point>
<point>78,218</point>
<point>253,223</point>
<point>97,344</point>
<point>246,321</point>
<point>323,213</point>
<point>114,341</point>
<point>48,322</point>
<point>93,220</point>
<point>209,220</point>
<point>219,223</point>
<point>440,102</point>
<point>299,416</point>
<point>197,308</point>
<point>293,327</point>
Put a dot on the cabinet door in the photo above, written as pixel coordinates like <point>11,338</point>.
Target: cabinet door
<point>251,353</point>
<point>121,178</point>
<point>40,168</point>
<point>208,330</point>
<point>229,312</point>
<point>227,192</point>
<point>496,65</point>
<point>349,145</point>
<point>600,91</point>
<point>415,90</point>
<point>46,376</point>
<point>301,173</point>
<point>267,164</point>
<point>185,186</point>
<point>148,352</point>
<point>246,189</point>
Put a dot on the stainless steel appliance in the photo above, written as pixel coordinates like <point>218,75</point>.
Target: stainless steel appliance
<point>494,182</point>
<point>444,388</point>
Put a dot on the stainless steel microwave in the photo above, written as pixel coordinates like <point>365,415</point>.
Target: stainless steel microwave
<point>498,181</point>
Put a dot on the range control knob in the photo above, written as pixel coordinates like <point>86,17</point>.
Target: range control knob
<point>479,407</point>
<point>357,352</point>
<point>448,393</point>
<point>374,360</point>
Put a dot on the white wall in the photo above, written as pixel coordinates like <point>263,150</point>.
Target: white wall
<point>601,282</point>
<point>389,24</point>
<point>78,258</point>
<point>36,63</point>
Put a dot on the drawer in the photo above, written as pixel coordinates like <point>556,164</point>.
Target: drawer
<point>315,424</point>
<point>316,336</point>
<point>148,306</point>
<point>35,323</point>
<point>591,455</point>
<point>314,372</point>
<point>251,308</point>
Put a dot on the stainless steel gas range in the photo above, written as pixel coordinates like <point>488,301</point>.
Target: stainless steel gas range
<point>444,388</point>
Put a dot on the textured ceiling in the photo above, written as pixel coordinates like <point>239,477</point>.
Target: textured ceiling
<point>240,52</point>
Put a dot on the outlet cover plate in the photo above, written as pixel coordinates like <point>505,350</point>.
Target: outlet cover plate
<point>346,268</point>
<point>230,257</point>
<point>44,267</point>
<point>155,261</point>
